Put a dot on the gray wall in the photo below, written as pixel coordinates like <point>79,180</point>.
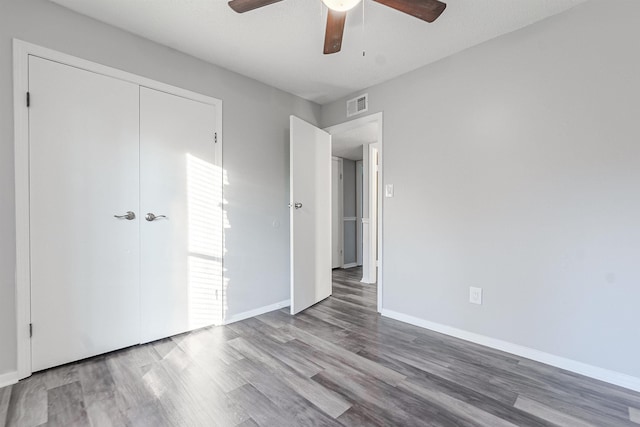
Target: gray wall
<point>349,208</point>
<point>256,155</point>
<point>516,167</point>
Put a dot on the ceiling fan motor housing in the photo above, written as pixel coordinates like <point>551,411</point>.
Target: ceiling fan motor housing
<point>341,5</point>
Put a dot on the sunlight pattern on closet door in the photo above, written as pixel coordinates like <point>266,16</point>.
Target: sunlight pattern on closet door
<point>204,196</point>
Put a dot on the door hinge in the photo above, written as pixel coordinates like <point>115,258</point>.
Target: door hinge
<point>28,100</point>
<point>30,330</point>
<point>215,137</point>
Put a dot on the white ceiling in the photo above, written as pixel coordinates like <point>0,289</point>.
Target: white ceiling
<point>348,144</point>
<point>281,44</point>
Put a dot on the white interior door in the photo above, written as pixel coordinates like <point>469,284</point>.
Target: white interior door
<point>336,213</point>
<point>310,175</point>
<point>84,170</point>
<point>181,184</point>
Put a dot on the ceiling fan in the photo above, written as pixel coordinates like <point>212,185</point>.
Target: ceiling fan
<point>427,10</point>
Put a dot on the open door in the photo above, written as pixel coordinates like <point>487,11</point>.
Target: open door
<point>310,203</point>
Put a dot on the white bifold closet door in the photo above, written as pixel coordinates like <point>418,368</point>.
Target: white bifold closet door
<point>85,293</point>
<point>181,253</point>
<point>100,148</point>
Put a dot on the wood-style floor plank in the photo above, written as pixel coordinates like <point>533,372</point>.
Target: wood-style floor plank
<point>263,411</point>
<point>326,400</point>
<point>28,403</point>
<point>549,414</point>
<point>284,397</point>
<point>151,414</point>
<point>337,363</point>
<point>66,406</point>
<point>461,409</point>
<point>5,396</point>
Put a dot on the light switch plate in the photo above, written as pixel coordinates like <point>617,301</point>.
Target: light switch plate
<point>475,295</point>
<point>388,190</point>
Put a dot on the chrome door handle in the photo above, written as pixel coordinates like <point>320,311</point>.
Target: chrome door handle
<point>129,216</point>
<point>297,205</point>
<point>152,217</point>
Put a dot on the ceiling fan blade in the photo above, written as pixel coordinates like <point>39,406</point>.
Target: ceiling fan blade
<point>334,31</point>
<point>242,6</point>
<point>427,10</point>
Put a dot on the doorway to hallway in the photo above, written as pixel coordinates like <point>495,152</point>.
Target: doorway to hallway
<point>357,220</point>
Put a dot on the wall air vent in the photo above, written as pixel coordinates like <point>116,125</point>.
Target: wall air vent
<point>358,105</point>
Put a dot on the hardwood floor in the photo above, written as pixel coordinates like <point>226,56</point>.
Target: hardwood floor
<point>337,364</point>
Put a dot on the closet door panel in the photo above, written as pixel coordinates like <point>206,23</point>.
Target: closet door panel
<point>83,171</point>
<point>181,253</point>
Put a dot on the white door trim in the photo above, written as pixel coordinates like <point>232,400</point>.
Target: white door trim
<point>340,199</point>
<point>21,52</point>
<point>359,239</point>
<point>373,199</point>
<point>353,124</point>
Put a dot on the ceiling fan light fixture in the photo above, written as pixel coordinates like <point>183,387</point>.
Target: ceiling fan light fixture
<point>341,5</point>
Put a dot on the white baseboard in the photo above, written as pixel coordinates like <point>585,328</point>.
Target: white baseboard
<point>257,312</point>
<point>606,375</point>
<point>8,378</point>
<point>350,265</point>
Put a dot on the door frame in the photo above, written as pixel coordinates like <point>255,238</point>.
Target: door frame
<point>359,210</point>
<point>21,52</point>
<point>353,124</point>
<point>340,218</point>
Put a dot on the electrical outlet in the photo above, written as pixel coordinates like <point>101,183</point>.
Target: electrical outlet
<point>475,295</point>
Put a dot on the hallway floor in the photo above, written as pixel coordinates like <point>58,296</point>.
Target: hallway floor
<point>337,363</point>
